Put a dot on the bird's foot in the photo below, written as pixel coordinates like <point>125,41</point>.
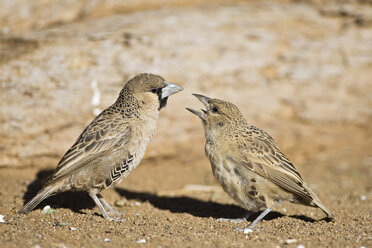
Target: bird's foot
<point>231,220</point>
<point>115,212</point>
<point>238,220</point>
<point>107,206</point>
<point>244,230</point>
<point>249,228</point>
<point>117,219</point>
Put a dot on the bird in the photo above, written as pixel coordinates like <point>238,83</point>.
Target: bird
<point>248,164</point>
<point>112,145</point>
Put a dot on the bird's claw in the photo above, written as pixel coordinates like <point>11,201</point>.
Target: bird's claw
<point>231,220</point>
<point>115,212</point>
<point>117,219</point>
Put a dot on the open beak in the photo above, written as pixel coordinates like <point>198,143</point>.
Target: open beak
<point>202,113</point>
<point>170,89</point>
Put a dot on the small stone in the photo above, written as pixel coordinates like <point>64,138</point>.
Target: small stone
<point>141,241</point>
<point>2,218</point>
<point>121,202</point>
<point>72,228</point>
<point>363,197</point>
<point>106,240</point>
<point>300,246</point>
<point>291,241</point>
<point>47,210</point>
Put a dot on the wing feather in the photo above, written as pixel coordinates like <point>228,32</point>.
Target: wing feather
<point>96,141</point>
<point>265,159</point>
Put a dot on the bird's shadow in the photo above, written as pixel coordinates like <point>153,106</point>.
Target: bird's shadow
<point>199,208</point>
<point>76,201</point>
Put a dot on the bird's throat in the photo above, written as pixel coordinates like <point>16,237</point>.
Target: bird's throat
<point>162,102</point>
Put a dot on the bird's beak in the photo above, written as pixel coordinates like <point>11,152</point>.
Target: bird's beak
<point>202,114</point>
<point>170,89</point>
<point>203,99</point>
<point>198,113</point>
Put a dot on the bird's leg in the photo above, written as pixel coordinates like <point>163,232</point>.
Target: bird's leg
<point>101,208</point>
<point>238,220</point>
<point>110,208</point>
<point>249,228</point>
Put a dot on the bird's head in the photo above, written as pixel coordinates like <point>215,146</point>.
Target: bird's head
<point>218,116</point>
<point>149,90</point>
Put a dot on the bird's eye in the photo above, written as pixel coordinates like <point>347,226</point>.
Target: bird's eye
<point>154,90</point>
<point>215,110</point>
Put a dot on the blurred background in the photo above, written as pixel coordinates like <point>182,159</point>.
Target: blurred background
<point>301,70</point>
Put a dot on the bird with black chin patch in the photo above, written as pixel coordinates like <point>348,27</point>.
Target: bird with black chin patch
<point>248,164</point>
<point>112,145</point>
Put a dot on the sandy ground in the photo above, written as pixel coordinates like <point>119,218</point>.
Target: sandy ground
<point>162,210</point>
<point>301,71</point>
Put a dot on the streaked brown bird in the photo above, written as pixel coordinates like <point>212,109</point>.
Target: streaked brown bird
<point>248,164</point>
<point>112,145</point>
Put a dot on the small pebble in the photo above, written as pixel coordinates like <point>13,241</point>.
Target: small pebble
<point>106,240</point>
<point>47,210</point>
<point>141,241</point>
<point>363,197</point>
<point>121,202</point>
<point>290,241</point>
<point>2,218</point>
<point>36,246</point>
<point>72,228</point>
<point>300,246</point>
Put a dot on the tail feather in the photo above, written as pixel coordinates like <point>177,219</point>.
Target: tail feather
<point>43,194</point>
<point>320,205</point>
<point>325,210</point>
